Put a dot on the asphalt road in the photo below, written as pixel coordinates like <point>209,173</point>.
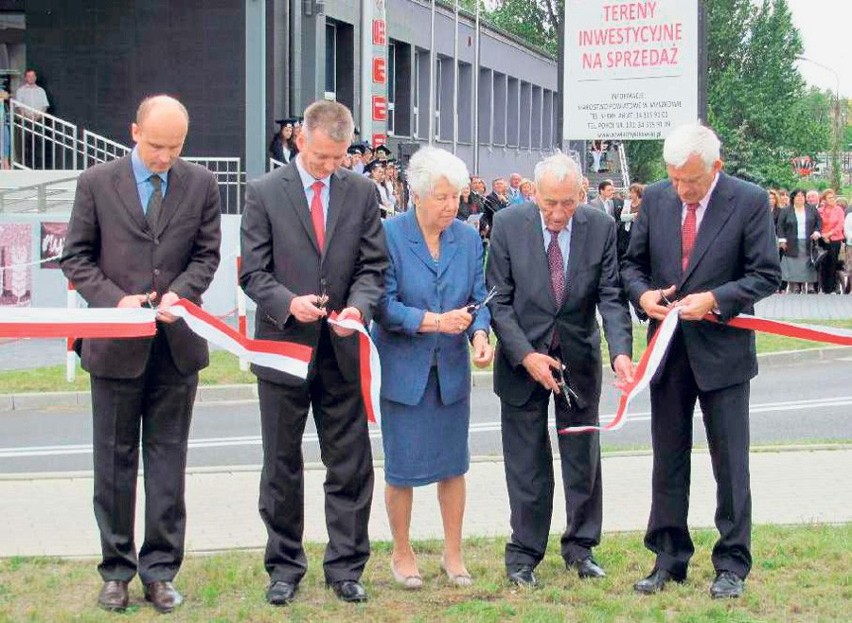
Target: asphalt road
<point>807,401</point>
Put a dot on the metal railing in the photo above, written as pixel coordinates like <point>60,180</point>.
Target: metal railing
<point>38,140</point>
<point>38,198</point>
<point>622,161</point>
<point>48,142</point>
<point>230,177</point>
<point>96,149</point>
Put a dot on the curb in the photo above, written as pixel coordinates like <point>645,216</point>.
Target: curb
<point>223,394</point>
<point>379,464</point>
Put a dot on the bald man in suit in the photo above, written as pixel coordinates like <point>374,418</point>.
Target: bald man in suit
<point>144,230</point>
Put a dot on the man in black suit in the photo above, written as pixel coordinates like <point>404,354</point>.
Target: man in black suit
<point>554,265</point>
<point>705,241</point>
<point>143,229</point>
<point>312,240</point>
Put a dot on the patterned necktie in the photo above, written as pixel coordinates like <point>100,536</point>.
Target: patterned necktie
<point>317,217</point>
<point>557,268</point>
<point>690,229</point>
<point>155,202</point>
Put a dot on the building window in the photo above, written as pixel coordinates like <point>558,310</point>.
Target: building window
<point>391,78</point>
<point>421,93</point>
<point>400,89</point>
<point>339,62</point>
<point>547,120</point>
<point>465,106</point>
<point>535,111</point>
<point>513,95</point>
<point>498,135</point>
<point>486,108</point>
<point>524,116</point>
<point>330,61</point>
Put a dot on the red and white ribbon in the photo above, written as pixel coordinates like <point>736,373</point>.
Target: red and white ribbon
<point>21,322</point>
<point>17,322</point>
<point>369,364</point>
<point>653,356</point>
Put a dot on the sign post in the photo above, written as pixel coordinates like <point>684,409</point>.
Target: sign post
<point>630,68</point>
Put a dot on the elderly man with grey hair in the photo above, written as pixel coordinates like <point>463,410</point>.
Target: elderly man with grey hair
<point>704,242</point>
<point>554,265</point>
<point>312,243</point>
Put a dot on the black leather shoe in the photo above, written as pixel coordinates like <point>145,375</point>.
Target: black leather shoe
<point>163,596</point>
<point>113,596</point>
<point>655,582</point>
<point>523,576</point>
<point>281,593</point>
<point>727,585</point>
<point>349,591</point>
<point>587,568</point>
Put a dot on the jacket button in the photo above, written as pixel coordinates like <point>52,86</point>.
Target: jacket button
<point>156,241</point>
<point>156,271</point>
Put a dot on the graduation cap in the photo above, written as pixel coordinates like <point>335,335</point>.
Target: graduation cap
<point>373,164</point>
<point>382,152</point>
<point>390,162</point>
<point>355,149</point>
<point>289,122</point>
<point>300,120</point>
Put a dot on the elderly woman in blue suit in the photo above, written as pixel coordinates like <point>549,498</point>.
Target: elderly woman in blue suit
<point>422,331</point>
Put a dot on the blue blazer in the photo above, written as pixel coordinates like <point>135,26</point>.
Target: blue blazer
<point>415,285</point>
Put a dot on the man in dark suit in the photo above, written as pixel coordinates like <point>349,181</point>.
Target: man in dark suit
<point>144,229</point>
<point>554,264</point>
<point>604,200</point>
<point>705,241</point>
<point>312,240</point>
<point>494,201</point>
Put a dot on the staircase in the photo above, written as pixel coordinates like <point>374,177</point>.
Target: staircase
<point>42,142</point>
<point>616,169</point>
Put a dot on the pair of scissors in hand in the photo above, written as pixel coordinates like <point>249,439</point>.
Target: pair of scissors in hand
<point>475,307</point>
<point>571,397</point>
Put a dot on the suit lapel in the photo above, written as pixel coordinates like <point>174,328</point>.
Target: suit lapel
<point>174,196</point>
<point>718,212</point>
<point>538,256</point>
<point>418,242</point>
<point>449,246</point>
<point>125,185</point>
<point>294,192</point>
<point>576,250</point>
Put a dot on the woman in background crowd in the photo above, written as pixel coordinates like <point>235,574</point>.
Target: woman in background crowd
<point>833,217</point>
<point>799,226</point>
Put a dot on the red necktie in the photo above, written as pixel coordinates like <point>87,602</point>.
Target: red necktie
<point>317,217</point>
<point>690,229</point>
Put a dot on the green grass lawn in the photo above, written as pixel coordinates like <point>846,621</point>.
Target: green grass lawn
<point>224,368</point>
<point>801,574</point>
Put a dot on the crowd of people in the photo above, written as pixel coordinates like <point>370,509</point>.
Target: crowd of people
<point>314,243</point>
<point>812,228</point>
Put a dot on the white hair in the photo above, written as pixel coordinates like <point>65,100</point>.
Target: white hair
<point>561,166</point>
<point>692,139</point>
<point>429,165</point>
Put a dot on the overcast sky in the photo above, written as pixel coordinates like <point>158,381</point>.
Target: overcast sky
<point>825,29</point>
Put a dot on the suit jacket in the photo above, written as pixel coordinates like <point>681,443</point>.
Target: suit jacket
<point>735,257</point>
<point>281,259</point>
<point>525,315</point>
<point>787,227</point>
<point>111,252</point>
<point>414,284</point>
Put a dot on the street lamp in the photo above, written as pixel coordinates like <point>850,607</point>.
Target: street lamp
<point>835,151</point>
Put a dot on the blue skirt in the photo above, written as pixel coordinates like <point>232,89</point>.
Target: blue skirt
<point>427,442</point>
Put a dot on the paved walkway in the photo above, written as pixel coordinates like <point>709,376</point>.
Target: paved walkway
<point>52,515</point>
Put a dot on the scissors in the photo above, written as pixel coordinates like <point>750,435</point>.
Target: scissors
<point>475,307</point>
<point>322,299</point>
<point>571,397</point>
